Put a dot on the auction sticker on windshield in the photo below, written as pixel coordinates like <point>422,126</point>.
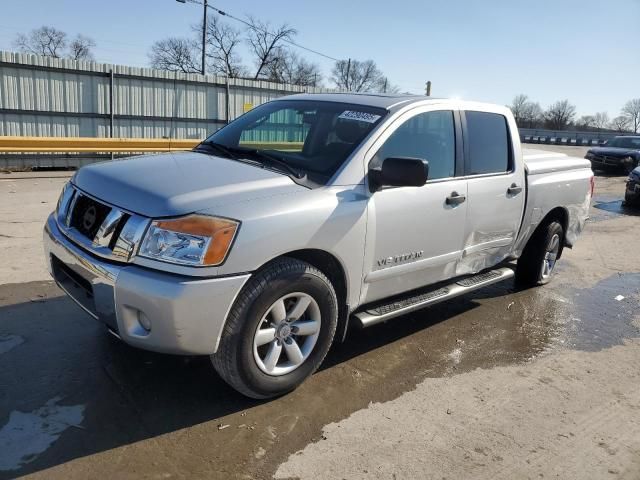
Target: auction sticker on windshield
<point>359,116</point>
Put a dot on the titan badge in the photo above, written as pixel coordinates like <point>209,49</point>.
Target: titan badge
<point>405,257</point>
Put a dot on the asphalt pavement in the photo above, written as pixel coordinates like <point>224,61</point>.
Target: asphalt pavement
<point>504,383</point>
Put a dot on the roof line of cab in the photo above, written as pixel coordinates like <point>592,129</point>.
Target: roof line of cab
<point>390,102</point>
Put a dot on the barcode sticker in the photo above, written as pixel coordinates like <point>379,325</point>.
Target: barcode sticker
<point>359,116</point>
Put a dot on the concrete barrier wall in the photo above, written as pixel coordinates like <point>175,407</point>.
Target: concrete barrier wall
<point>560,137</point>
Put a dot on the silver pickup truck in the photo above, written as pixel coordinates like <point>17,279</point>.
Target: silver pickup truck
<point>306,215</point>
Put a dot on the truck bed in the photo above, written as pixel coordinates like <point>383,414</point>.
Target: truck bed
<point>543,161</point>
<point>555,179</point>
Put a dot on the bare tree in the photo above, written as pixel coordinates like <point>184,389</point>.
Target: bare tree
<point>385,86</point>
<point>527,114</point>
<point>47,41</point>
<point>51,42</point>
<point>356,75</point>
<point>620,124</point>
<point>560,114</point>
<point>631,110</point>
<point>288,67</point>
<point>80,48</point>
<point>264,43</point>
<point>601,120</point>
<point>586,121</point>
<point>222,52</point>
<point>175,54</point>
<point>533,115</point>
<point>519,107</point>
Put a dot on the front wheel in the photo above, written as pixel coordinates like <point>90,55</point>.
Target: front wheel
<point>279,329</point>
<point>630,166</point>
<point>539,257</point>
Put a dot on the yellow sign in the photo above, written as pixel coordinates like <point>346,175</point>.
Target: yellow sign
<point>247,107</point>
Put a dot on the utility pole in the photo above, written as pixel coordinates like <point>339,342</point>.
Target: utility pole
<point>348,71</point>
<point>204,35</point>
<point>428,89</point>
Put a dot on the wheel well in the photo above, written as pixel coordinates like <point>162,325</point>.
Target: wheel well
<point>560,214</point>
<point>332,268</point>
<point>327,264</point>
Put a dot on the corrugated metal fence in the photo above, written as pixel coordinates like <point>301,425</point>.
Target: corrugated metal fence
<point>41,96</point>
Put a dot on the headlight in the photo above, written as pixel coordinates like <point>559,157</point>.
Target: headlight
<point>191,240</point>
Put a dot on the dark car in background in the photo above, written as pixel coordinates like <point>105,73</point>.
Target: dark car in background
<point>632,193</point>
<point>618,153</point>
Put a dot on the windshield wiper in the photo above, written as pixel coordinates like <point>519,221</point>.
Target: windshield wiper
<point>270,158</point>
<point>220,148</point>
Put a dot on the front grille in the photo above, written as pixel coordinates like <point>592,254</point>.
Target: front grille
<point>88,215</point>
<point>102,229</point>
<point>607,159</point>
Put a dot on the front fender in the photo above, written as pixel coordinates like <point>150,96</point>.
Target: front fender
<point>331,219</point>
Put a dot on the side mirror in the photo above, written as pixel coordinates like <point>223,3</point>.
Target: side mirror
<point>399,172</point>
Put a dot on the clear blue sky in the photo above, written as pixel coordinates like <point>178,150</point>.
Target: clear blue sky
<point>489,50</point>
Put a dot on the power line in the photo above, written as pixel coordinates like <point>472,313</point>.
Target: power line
<point>266,32</point>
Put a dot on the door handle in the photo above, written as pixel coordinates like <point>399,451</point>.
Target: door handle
<point>514,189</point>
<point>455,199</point>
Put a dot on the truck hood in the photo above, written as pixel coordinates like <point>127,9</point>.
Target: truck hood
<point>174,184</point>
<point>613,151</point>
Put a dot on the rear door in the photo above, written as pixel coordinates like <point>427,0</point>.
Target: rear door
<point>496,190</point>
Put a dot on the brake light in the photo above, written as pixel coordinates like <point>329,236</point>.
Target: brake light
<point>592,182</point>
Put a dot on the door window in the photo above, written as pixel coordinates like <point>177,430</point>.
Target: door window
<point>488,142</point>
<point>429,136</point>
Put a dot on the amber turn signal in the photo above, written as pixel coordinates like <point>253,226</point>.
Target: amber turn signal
<point>220,231</point>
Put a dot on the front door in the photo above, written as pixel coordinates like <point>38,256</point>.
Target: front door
<point>415,234</point>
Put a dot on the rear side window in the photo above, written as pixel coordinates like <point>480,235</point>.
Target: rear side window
<point>488,141</point>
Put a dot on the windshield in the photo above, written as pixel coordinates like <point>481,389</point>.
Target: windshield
<point>624,142</point>
<point>312,136</point>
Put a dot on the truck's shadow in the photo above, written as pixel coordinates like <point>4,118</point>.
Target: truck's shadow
<point>131,395</point>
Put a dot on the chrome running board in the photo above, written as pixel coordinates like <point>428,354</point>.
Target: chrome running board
<point>381,312</point>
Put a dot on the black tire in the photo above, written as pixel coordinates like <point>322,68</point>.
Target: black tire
<point>234,361</point>
<point>630,167</point>
<point>631,200</point>
<point>529,271</point>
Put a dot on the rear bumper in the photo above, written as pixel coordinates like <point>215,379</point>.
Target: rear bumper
<point>186,315</point>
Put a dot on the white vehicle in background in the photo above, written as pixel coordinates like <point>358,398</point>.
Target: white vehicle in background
<point>306,214</point>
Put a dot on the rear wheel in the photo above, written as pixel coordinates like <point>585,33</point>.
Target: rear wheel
<point>279,329</point>
<point>538,260</point>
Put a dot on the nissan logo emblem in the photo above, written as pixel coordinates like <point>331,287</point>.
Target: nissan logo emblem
<point>89,217</point>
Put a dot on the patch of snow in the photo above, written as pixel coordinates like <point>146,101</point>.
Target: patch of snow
<point>27,435</point>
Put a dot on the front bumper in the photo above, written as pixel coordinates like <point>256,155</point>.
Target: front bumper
<point>611,162</point>
<point>186,315</point>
